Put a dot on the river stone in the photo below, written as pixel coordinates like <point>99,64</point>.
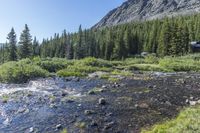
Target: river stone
<point>7,121</point>
<point>88,112</point>
<point>91,92</point>
<point>68,79</point>
<point>143,105</point>
<point>59,126</point>
<point>168,103</point>
<point>96,74</point>
<point>104,86</point>
<point>64,93</point>
<point>77,79</point>
<point>102,101</point>
<point>108,125</point>
<point>53,106</point>
<point>193,103</point>
<point>31,130</point>
<point>21,110</point>
<point>93,124</point>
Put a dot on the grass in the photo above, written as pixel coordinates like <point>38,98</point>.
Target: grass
<point>188,121</point>
<point>26,69</point>
<point>5,98</point>
<point>64,131</point>
<point>122,73</point>
<point>180,64</point>
<point>80,125</point>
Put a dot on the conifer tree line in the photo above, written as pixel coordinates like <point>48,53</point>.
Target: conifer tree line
<point>166,37</point>
<point>11,51</point>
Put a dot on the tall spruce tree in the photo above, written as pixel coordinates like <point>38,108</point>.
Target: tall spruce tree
<point>12,48</point>
<point>70,50</point>
<point>36,48</point>
<point>79,48</point>
<point>26,49</point>
<point>164,39</point>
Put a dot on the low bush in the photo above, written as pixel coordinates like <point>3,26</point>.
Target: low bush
<point>53,64</point>
<point>20,72</point>
<point>91,61</point>
<point>151,59</point>
<point>80,70</point>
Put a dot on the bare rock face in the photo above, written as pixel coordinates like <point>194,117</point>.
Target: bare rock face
<point>141,10</point>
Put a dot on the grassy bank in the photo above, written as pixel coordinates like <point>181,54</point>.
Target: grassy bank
<point>188,121</point>
<point>26,69</point>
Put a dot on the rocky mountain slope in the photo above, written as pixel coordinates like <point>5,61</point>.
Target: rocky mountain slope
<point>141,10</point>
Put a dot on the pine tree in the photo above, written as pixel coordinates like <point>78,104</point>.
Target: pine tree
<point>12,48</point>
<point>78,47</point>
<point>120,49</point>
<point>164,40</point>
<point>70,50</point>
<point>36,49</point>
<point>185,40</point>
<point>26,49</point>
<point>109,45</point>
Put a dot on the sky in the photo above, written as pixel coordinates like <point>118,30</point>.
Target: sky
<point>46,17</point>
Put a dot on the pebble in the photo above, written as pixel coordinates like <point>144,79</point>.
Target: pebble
<point>108,125</point>
<point>7,121</point>
<point>31,130</point>
<point>93,124</point>
<point>143,106</point>
<point>91,92</point>
<point>104,86</point>
<point>102,101</point>
<point>168,103</point>
<point>192,103</point>
<point>53,106</point>
<point>59,126</point>
<point>77,79</point>
<point>64,94</point>
<point>88,112</point>
<point>70,101</point>
<point>21,110</point>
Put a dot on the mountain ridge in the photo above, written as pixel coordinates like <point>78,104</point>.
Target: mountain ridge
<point>142,10</point>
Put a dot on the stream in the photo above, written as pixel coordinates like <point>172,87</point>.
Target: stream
<point>92,105</point>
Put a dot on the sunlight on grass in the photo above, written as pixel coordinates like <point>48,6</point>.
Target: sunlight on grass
<point>188,121</point>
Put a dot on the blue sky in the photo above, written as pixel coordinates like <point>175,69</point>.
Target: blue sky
<point>46,17</point>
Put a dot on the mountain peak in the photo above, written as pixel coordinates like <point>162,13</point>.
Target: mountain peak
<point>141,10</point>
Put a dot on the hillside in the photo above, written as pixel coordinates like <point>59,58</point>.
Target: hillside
<point>141,10</point>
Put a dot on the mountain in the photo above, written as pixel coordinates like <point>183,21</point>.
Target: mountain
<point>141,10</point>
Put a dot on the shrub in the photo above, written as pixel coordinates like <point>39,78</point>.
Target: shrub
<point>151,59</point>
<point>91,61</point>
<point>20,72</point>
<point>53,64</point>
<point>79,70</point>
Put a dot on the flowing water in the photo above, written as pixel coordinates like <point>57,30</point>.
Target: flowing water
<point>53,104</point>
